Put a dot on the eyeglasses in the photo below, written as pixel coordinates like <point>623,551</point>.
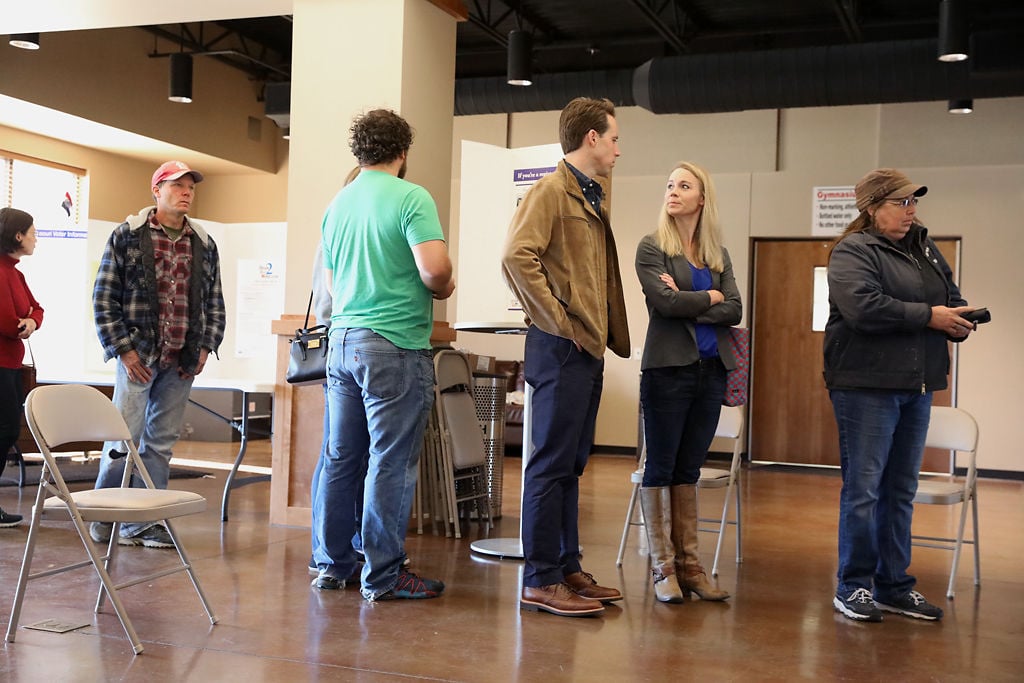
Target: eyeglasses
<point>905,202</point>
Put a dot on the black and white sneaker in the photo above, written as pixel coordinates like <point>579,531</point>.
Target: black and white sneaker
<point>8,520</point>
<point>155,536</point>
<point>858,606</point>
<point>912,604</point>
<point>99,532</point>
<point>326,582</point>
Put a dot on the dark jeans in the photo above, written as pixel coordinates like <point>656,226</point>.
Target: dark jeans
<point>567,387</point>
<point>681,410</point>
<point>11,402</point>
<point>881,443</point>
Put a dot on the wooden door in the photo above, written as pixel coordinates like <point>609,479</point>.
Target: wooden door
<point>791,419</point>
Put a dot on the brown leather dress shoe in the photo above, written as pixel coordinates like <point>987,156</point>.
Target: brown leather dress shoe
<point>558,598</point>
<point>584,585</point>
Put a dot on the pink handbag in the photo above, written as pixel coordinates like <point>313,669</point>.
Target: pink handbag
<point>738,379</point>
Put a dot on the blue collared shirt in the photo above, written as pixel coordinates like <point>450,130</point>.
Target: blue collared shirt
<point>592,191</point>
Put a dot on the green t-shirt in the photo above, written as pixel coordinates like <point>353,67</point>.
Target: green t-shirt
<point>369,230</point>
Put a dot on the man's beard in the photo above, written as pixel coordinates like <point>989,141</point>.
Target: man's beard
<point>403,169</point>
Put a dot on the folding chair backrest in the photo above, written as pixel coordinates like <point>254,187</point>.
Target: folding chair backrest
<point>455,392</point>
<point>451,369</point>
<point>62,413</point>
<point>952,429</point>
<point>467,439</point>
<point>730,422</point>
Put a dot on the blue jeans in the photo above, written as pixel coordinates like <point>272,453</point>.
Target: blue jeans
<point>153,412</point>
<point>681,410</point>
<point>379,397</point>
<point>567,387</point>
<point>881,443</point>
<point>314,489</point>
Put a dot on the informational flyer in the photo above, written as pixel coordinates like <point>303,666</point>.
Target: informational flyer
<point>832,209</point>
<point>260,299</point>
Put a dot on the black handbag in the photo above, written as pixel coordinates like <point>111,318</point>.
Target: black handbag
<point>307,353</point>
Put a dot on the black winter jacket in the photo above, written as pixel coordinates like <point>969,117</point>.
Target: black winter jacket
<point>877,335</point>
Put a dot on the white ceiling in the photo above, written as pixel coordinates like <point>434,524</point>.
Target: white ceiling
<point>45,16</point>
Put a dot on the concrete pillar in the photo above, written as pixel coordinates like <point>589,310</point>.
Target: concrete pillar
<point>350,56</point>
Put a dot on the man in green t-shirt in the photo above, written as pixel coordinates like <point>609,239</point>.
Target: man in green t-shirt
<point>385,256</point>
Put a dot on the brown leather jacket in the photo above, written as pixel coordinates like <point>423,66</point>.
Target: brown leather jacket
<point>560,261</point>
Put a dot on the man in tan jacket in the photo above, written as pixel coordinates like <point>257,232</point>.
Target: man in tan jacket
<point>561,263</point>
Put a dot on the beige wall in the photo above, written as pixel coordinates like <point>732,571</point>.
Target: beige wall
<point>765,165</point>
<point>119,185</point>
<point>107,76</point>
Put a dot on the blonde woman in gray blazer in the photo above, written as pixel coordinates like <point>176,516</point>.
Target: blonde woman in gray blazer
<point>692,301</point>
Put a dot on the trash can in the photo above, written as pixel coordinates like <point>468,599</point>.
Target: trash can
<point>489,397</point>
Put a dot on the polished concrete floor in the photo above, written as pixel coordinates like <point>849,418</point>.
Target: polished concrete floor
<point>779,625</point>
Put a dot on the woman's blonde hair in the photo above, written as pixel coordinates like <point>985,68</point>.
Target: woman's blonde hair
<point>708,235</point>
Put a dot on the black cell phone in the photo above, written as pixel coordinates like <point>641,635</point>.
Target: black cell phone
<point>978,316</point>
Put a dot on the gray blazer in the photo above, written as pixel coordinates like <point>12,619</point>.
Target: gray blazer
<point>671,336</point>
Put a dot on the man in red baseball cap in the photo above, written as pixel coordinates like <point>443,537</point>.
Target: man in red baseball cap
<point>172,170</point>
<point>159,311</point>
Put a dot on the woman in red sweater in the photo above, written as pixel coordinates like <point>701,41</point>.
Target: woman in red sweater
<point>20,316</point>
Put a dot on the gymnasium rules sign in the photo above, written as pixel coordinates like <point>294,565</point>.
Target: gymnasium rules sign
<point>832,209</point>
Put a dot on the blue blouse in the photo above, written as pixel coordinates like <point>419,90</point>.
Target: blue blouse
<point>707,342</point>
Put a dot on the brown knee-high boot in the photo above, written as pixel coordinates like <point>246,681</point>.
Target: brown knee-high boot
<point>656,503</point>
<point>689,572</point>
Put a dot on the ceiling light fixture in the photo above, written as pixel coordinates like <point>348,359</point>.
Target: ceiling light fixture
<point>953,31</point>
<point>520,56</point>
<point>26,41</point>
<point>181,78</point>
<point>961,106</point>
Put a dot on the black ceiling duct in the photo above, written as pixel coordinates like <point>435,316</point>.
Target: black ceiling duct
<point>549,92</point>
<point>862,73</point>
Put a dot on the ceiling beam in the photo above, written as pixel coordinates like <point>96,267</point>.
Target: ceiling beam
<point>846,11</point>
<point>670,33</point>
<point>256,66</point>
<point>483,17</point>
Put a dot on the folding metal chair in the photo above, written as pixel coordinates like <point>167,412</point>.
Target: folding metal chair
<point>955,430</point>
<point>61,414</point>
<point>464,472</point>
<point>730,426</point>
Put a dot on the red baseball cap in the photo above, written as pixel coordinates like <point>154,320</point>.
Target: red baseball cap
<point>172,170</point>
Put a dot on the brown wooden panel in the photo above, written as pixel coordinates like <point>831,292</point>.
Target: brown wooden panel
<point>790,413</point>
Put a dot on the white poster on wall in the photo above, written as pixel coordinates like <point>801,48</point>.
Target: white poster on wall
<point>494,181</point>
<point>259,298</point>
<point>832,209</point>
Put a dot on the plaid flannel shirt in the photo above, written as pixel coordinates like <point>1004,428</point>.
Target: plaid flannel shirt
<point>125,300</point>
